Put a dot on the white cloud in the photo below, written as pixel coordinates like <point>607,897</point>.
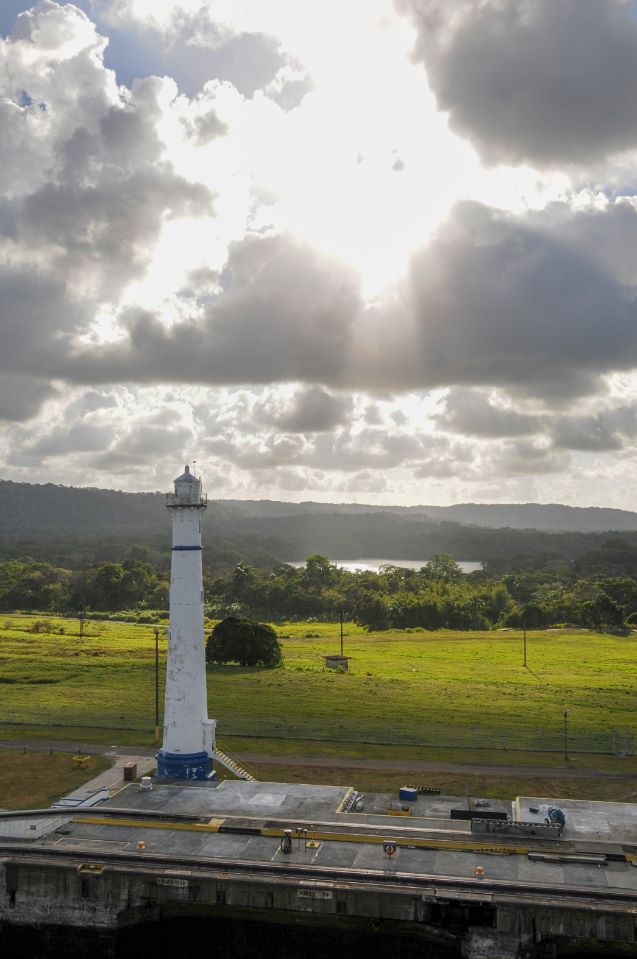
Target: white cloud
<point>280,257</point>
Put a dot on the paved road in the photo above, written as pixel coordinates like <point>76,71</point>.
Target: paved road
<point>340,762</point>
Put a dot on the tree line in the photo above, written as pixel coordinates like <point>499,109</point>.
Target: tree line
<point>438,595</point>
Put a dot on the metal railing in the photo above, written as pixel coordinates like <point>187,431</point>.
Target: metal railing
<point>619,742</point>
<point>610,741</point>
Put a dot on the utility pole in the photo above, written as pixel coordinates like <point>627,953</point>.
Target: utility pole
<point>341,629</point>
<point>524,628</point>
<point>566,734</point>
<point>82,616</point>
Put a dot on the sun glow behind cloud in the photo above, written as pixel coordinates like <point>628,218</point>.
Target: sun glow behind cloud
<point>363,169</point>
<point>281,230</point>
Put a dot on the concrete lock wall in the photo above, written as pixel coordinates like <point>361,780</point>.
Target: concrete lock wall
<point>75,895</point>
<point>113,896</point>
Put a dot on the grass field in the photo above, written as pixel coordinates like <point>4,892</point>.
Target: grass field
<point>459,784</point>
<point>34,780</point>
<point>436,680</point>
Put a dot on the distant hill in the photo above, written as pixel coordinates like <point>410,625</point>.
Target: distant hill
<point>74,526</point>
<point>550,517</point>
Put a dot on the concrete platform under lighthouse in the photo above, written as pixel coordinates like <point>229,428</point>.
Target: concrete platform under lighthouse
<point>236,798</point>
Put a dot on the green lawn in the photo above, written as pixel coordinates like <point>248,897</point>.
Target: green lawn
<point>458,784</point>
<point>34,780</point>
<point>465,685</point>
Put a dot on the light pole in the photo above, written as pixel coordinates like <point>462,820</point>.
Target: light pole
<point>341,629</point>
<point>566,734</point>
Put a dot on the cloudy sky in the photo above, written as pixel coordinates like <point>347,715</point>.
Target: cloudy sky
<point>376,250</point>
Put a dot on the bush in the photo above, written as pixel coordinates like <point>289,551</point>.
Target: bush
<point>148,617</point>
<point>242,641</point>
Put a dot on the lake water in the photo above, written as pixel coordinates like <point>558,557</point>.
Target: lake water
<point>373,565</point>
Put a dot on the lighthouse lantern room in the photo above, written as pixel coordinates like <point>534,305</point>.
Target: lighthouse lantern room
<point>189,736</point>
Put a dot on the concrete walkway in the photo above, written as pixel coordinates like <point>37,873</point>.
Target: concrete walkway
<point>112,778</point>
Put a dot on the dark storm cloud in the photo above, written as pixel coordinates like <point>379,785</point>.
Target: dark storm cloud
<point>545,81</point>
<point>493,301</point>
<point>347,451</point>
<point>145,442</point>
<point>107,230</point>
<point>540,304</point>
<point>312,410</point>
<point>285,314</point>
<point>588,433</point>
<point>500,301</point>
<point>81,437</point>
<point>525,457</point>
<point>102,214</point>
<point>608,235</point>
<point>37,320</point>
<point>470,412</point>
<point>610,429</point>
<point>21,397</point>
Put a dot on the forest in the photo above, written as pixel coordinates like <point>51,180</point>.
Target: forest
<point>78,529</point>
<point>597,591</point>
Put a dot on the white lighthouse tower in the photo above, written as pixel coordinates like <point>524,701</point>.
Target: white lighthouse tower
<point>189,736</point>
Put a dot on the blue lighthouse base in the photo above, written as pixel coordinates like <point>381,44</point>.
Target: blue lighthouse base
<point>183,765</point>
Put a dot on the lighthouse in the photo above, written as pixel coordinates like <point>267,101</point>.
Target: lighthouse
<point>189,736</point>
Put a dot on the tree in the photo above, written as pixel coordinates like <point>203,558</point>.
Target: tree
<point>318,570</point>
<point>443,566</point>
<point>242,641</point>
<point>371,612</point>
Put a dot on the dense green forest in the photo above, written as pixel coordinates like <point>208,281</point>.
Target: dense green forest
<point>62,549</point>
<point>79,528</point>
<point>598,591</point>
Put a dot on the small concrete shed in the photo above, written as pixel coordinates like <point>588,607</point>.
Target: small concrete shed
<point>337,662</point>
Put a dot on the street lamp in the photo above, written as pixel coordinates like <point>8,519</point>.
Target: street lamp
<point>566,734</point>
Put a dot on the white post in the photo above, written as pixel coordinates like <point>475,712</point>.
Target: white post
<point>189,742</point>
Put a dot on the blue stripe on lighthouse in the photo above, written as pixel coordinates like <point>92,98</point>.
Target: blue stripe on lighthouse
<point>186,547</point>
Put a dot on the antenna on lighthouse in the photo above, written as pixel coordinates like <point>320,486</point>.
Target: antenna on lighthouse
<point>194,467</point>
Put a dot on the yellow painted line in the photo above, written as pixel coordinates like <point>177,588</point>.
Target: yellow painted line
<point>407,842</point>
<point>211,826</point>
